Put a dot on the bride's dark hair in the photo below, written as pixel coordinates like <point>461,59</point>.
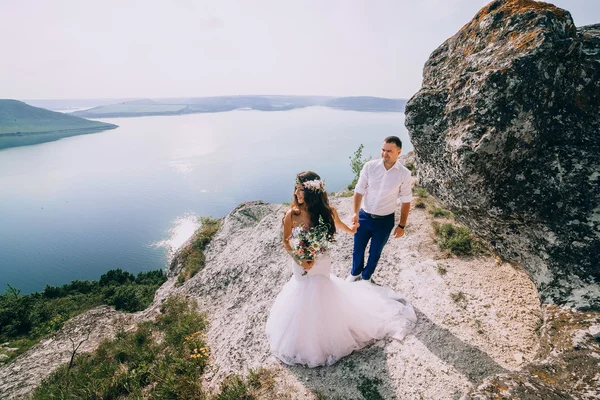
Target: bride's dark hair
<point>316,201</point>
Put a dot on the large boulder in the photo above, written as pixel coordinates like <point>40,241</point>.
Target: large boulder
<point>506,130</point>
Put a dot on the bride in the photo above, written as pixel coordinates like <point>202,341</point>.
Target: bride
<point>317,317</point>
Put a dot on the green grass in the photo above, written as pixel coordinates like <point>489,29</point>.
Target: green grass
<point>26,319</point>
<point>161,359</point>
<point>457,239</point>
<point>193,258</point>
<point>419,191</point>
<point>369,388</point>
<point>259,384</point>
<point>249,214</point>
<point>411,168</point>
<point>440,212</point>
<point>136,365</point>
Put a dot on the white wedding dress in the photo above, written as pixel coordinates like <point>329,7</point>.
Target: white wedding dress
<point>319,318</point>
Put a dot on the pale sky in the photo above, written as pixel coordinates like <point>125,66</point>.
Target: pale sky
<point>63,49</point>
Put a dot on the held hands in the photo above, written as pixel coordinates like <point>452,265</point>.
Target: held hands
<point>354,223</point>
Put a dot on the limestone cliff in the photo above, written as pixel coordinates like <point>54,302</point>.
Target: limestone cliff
<point>479,321</point>
<point>506,130</point>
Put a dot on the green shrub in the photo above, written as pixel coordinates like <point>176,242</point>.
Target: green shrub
<point>419,203</point>
<point>136,365</point>
<point>369,388</point>
<point>411,168</point>
<point>419,191</point>
<point>116,277</point>
<point>192,256</point>
<point>258,385</point>
<point>234,388</point>
<point>156,277</point>
<point>261,378</point>
<point>131,298</point>
<point>457,239</point>
<point>25,319</point>
<point>357,162</point>
<point>440,212</point>
<point>178,318</point>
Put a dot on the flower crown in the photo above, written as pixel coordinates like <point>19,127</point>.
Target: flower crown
<point>316,184</point>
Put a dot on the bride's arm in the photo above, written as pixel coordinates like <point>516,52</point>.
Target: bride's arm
<point>287,231</point>
<point>340,225</point>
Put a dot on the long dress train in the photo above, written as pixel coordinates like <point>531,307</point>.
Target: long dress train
<point>319,318</point>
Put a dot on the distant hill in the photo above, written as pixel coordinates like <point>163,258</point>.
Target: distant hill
<point>145,107</point>
<point>22,124</point>
<point>65,104</point>
<point>365,103</point>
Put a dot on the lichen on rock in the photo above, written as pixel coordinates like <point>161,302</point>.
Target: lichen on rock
<point>506,135</point>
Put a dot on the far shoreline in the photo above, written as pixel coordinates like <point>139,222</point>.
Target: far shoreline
<point>183,112</point>
<point>20,139</point>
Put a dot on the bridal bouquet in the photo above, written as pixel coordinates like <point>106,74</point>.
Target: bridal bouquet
<point>307,243</point>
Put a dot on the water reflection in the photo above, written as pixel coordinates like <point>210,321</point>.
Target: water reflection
<point>182,229</point>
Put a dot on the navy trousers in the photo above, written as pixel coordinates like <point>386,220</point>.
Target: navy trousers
<point>378,232</point>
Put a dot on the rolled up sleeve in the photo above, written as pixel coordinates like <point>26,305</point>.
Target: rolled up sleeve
<point>363,179</point>
<point>405,191</point>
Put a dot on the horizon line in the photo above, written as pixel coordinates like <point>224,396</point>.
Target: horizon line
<point>179,97</point>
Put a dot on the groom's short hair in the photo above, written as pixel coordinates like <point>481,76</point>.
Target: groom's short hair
<point>394,139</point>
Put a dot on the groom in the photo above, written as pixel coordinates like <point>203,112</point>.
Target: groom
<point>381,184</point>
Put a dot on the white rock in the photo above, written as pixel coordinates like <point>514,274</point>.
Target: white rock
<point>594,330</point>
<point>518,357</point>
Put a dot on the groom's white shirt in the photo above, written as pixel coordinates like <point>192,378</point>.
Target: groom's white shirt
<point>383,189</point>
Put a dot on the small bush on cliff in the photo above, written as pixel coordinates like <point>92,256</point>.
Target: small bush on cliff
<point>356,164</point>
<point>192,256</point>
<point>419,191</point>
<point>419,203</point>
<point>456,239</point>
<point>440,212</point>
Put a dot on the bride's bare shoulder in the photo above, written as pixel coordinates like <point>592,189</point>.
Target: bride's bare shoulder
<point>290,214</point>
<point>287,216</point>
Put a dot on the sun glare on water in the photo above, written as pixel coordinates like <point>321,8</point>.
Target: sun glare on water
<point>182,229</point>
